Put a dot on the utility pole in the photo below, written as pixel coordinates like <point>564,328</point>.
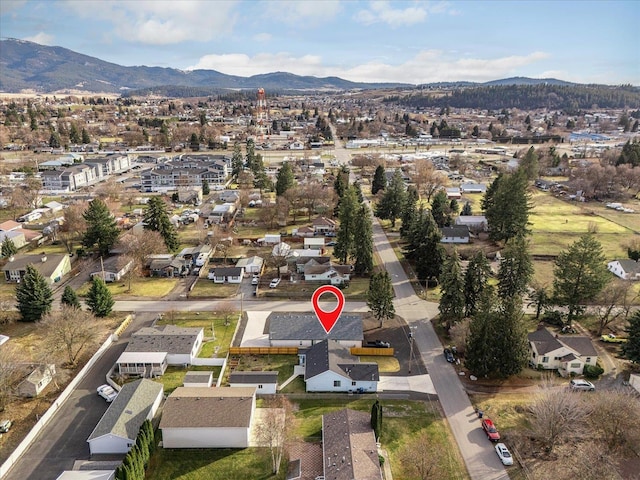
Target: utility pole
<point>411,346</point>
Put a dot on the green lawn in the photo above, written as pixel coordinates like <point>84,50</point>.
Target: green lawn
<point>218,347</point>
<point>174,376</point>
<point>283,364</point>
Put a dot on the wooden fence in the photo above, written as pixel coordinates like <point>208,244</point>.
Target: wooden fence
<point>263,350</point>
<point>380,352</point>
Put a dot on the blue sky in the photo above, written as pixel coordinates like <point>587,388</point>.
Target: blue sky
<point>584,41</point>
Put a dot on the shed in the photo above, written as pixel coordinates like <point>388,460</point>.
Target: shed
<point>198,379</point>
<point>37,380</point>
<point>265,383</point>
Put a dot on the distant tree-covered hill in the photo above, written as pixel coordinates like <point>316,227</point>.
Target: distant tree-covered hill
<point>569,97</point>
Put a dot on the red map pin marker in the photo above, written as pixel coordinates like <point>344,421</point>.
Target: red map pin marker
<point>327,319</point>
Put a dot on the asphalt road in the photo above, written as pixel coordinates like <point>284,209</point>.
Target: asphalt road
<point>64,439</point>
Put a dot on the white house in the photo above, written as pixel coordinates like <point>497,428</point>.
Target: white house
<point>568,353</point>
<point>333,274</point>
<point>265,383</point>
<point>52,267</point>
<point>458,234</point>
<point>198,379</point>
<point>180,345</point>
<point>349,446</point>
<point>626,269</point>
<point>87,475</point>
<point>226,274</point>
<point>473,188</point>
<point>330,367</point>
<point>208,417</point>
<point>303,330</point>
<point>117,430</point>
<point>113,269</point>
<point>314,243</point>
<point>323,225</point>
<point>251,264</point>
<point>37,380</point>
<point>143,364</point>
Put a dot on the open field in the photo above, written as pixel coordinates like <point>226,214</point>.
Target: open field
<point>151,287</point>
<point>206,288</point>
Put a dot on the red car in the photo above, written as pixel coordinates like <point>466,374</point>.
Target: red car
<point>491,430</point>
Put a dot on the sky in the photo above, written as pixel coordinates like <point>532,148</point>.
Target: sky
<point>583,41</point>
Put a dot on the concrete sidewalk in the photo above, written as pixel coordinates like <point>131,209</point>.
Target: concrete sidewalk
<point>416,383</point>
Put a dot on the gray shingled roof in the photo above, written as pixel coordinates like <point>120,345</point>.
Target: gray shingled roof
<point>253,377</point>
<point>227,271</point>
<point>166,338</point>
<point>350,451</point>
<point>129,410</point>
<point>330,355</point>
<point>629,265</point>
<point>456,231</point>
<point>305,326</point>
<point>189,407</point>
<point>582,345</point>
<point>197,377</point>
<point>544,341</point>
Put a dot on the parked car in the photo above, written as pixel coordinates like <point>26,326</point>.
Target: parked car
<point>448,355</point>
<point>578,384</point>
<point>491,430</point>
<point>255,280</point>
<point>611,338</point>
<point>107,392</point>
<point>332,244</point>
<point>274,283</point>
<point>504,454</point>
<point>378,344</point>
<point>5,425</point>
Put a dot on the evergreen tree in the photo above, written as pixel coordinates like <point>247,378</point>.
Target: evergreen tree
<point>506,206</point>
<point>631,349</point>
<point>380,296</point>
<point>33,295</point>
<point>580,274</point>
<point>476,279</point>
<point>480,351</point>
<point>345,237</point>
<point>515,270</point>
<point>205,187</point>
<point>529,164</point>
<point>379,181</point>
<point>466,209</point>
<point>156,219</point>
<point>409,211</point>
<point>237,163</point>
<point>99,299</point>
<point>440,209</point>
<point>85,136</point>
<point>70,297</point>
<point>74,134</point>
<point>251,154</point>
<point>376,419</point>
<point>451,290</point>
<point>284,179</point>
<point>511,343</point>
<point>102,229</point>
<point>363,241</point>
<point>392,202</point>
<point>424,248</point>
<point>8,248</point>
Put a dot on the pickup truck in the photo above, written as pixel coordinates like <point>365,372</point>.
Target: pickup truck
<point>611,338</point>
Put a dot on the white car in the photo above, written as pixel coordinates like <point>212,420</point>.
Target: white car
<point>577,384</point>
<point>504,454</point>
<point>107,392</point>
<point>274,283</point>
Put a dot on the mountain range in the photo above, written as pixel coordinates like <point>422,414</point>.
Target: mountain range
<point>30,67</point>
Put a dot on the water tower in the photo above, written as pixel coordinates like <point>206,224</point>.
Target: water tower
<point>261,110</point>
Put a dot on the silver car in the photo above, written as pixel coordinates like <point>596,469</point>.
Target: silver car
<point>578,384</point>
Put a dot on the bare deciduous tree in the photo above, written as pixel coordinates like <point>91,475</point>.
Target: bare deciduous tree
<point>74,225</point>
<point>617,419</point>
<point>459,333</point>
<point>67,332</point>
<point>558,415</point>
<point>226,309</point>
<point>588,462</point>
<point>136,248</point>
<point>428,180</point>
<point>613,304</point>
<point>274,431</point>
<point>424,465</point>
<point>9,372</point>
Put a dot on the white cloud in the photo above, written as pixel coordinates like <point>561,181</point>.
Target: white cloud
<point>383,12</point>
<point>425,67</point>
<point>11,5</point>
<point>41,38</point>
<point>162,22</point>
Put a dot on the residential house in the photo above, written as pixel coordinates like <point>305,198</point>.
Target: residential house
<point>304,232</point>
<point>196,256</point>
<point>453,193</point>
<point>37,380</point>
<point>113,269</point>
<point>198,379</point>
<point>475,223</point>
<point>180,344</point>
<point>117,430</point>
<point>473,188</point>
<point>251,264</point>
<point>226,274</point>
<point>142,364</point>
<point>208,417</point>
<point>333,274</point>
<point>265,383</point>
<point>222,213</point>
<point>167,267</point>
<point>568,353</point>
<point>315,243</point>
<point>349,449</point>
<point>330,367</point>
<point>303,261</point>
<point>304,330</point>
<point>16,236</point>
<point>52,267</point>
<point>324,226</point>
<point>54,207</point>
<point>16,227</point>
<point>457,234</point>
<point>625,268</point>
